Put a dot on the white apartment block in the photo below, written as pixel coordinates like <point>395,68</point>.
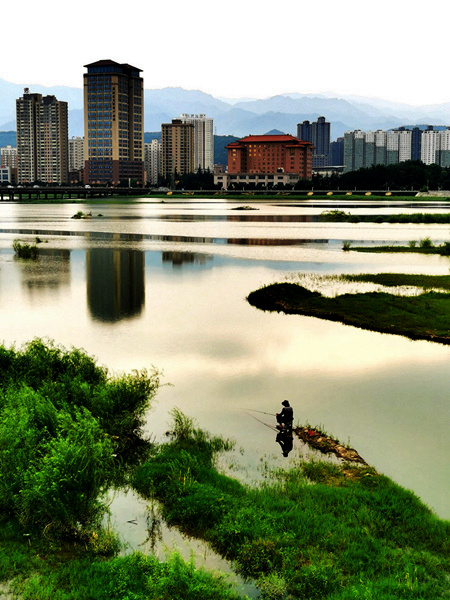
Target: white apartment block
<point>8,156</point>
<point>430,145</point>
<point>76,153</point>
<point>404,145</point>
<point>203,140</point>
<point>152,161</point>
<point>435,147</point>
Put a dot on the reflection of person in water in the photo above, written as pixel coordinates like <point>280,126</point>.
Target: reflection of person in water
<point>286,440</point>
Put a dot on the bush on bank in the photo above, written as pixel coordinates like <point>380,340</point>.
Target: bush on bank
<point>64,427</point>
<point>321,531</point>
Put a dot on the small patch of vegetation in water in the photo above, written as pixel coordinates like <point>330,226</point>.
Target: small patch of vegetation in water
<point>346,246</point>
<point>25,250</point>
<point>318,531</point>
<point>426,316</point>
<point>81,215</point>
<point>340,216</point>
<point>245,207</point>
<point>425,282</point>
<point>424,246</point>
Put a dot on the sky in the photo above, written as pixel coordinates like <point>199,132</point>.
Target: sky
<point>392,49</point>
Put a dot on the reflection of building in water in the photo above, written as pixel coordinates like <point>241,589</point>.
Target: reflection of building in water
<point>115,283</point>
<point>50,271</point>
<point>179,258</point>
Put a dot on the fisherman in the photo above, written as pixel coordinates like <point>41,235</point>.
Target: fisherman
<point>286,417</point>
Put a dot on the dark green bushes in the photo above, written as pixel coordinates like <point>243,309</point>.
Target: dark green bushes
<point>63,422</point>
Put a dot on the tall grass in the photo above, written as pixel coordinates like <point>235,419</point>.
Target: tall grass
<point>24,250</point>
<point>321,531</point>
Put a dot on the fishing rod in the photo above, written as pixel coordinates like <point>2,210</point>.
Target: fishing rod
<point>259,421</point>
<point>261,411</point>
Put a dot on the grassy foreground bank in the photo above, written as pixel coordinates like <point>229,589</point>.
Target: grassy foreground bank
<point>68,433</point>
<point>319,531</point>
<point>426,316</point>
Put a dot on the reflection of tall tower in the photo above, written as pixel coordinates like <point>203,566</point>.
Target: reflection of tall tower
<point>115,283</point>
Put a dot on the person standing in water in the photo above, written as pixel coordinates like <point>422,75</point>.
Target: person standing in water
<point>286,417</point>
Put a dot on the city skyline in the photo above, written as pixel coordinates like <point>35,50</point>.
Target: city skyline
<point>355,51</point>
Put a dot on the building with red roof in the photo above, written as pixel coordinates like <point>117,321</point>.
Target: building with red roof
<point>268,160</point>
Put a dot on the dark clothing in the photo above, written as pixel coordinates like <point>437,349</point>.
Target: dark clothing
<point>286,416</point>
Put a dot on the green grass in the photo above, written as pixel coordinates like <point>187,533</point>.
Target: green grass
<point>397,279</point>
<point>318,531</point>
<point>340,216</point>
<point>426,316</point>
<point>38,572</point>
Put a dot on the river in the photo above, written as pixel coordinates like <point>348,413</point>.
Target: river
<point>165,284</point>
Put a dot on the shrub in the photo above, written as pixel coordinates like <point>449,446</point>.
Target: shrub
<point>426,243</point>
<point>346,246</point>
<point>59,419</point>
<point>24,250</point>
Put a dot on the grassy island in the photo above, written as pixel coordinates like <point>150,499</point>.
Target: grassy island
<point>426,316</point>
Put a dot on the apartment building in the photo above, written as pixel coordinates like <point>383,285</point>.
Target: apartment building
<point>113,123</point>
<point>42,139</point>
<point>177,148</point>
<point>203,141</point>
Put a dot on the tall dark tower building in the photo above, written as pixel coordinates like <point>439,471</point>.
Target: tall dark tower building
<point>113,123</point>
<point>318,133</point>
<point>320,136</point>
<point>416,143</point>
<point>304,131</point>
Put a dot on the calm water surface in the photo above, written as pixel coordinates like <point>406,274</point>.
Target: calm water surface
<point>164,284</point>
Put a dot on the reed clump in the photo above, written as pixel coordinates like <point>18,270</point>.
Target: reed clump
<point>25,250</point>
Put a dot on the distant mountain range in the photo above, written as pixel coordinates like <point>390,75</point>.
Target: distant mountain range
<point>248,116</point>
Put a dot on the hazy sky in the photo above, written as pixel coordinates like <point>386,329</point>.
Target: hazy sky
<point>391,49</point>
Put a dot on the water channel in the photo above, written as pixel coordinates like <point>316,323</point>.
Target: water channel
<point>165,284</point>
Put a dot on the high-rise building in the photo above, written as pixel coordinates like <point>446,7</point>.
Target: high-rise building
<point>152,159</point>
<point>318,133</point>
<point>435,147</point>
<point>76,153</point>
<point>369,148</point>
<point>177,148</point>
<point>304,131</point>
<point>8,157</point>
<point>203,141</point>
<point>337,152</point>
<point>113,123</point>
<point>42,139</point>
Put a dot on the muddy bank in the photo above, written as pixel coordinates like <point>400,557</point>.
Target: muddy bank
<point>327,445</point>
